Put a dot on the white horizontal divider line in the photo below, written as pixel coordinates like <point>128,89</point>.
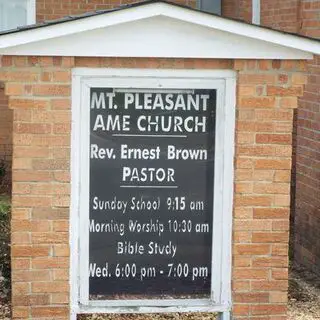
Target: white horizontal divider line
<point>150,135</point>
<point>149,187</point>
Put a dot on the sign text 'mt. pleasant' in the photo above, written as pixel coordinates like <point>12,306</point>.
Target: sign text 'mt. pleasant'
<point>155,102</point>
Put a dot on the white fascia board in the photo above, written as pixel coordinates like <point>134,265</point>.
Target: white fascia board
<point>153,10</point>
<point>160,37</point>
<point>243,29</point>
<point>78,26</point>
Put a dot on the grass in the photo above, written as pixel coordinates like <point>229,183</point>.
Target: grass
<point>4,206</point>
<point>5,270</point>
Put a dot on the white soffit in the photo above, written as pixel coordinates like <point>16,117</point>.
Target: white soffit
<point>158,30</point>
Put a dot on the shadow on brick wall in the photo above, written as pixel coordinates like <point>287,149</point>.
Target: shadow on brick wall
<point>6,127</point>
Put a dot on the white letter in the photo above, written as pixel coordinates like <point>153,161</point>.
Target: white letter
<point>98,102</point>
<point>128,99</point>
<point>126,123</point>
<point>95,203</point>
<point>171,153</point>
<point>170,174</point>
<point>142,129</point>
<point>147,101</point>
<point>124,150</point>
<point>125,173</point>
<point>158,102</point>
<point>99,124</point>
<point>110,96</point>
<point>180,103</point>
<point>205,98</point>
<point>120,248</point>
<point>169,102</point>
<point>94,151</point>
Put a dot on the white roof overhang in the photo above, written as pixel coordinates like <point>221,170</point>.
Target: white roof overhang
<point>157,29</point>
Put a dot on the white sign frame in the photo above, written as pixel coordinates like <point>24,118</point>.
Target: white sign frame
<point>224,81</point>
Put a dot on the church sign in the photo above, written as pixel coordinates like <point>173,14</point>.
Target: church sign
<point>150,192</point>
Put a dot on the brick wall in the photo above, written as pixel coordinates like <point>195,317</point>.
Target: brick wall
<point>307,193</point>
<point>239,9</point>
<point>307,205</point>
<point>267,95</point>
<point>49,9</point>
<point>40,99</point>
<point>301,17</point>
<point>282,15</point>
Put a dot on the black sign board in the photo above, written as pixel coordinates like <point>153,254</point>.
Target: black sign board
<point>151,193</point>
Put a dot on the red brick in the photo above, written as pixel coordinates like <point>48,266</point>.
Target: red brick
<point>61,251</point>
<point>29,201</point>
<point>271,188</point>
<point>280,249</point>
<point>273,138</point>
<point>257,102</point>
<point>49,213</point>
<point>256,297</point>
<point>270,213</point>
<point>20,313</point>
<point>50,287</point>
<point>298,78</point>
<point>274,285</point>
<point>289,102</point>
<point>241,310</point>
<point>30,251</point>
<point>49,237</point>
<point>281,91</point>
<point>16,103</point>
<point>60,298</point>
<point>38,312</point>
<point>60,104</point>
<point>262,201</point>
<point>257,78</point>
<point>27,300</point>
<point>239,286</point>
<point>267,262</point>
<point>249,273</point>
<point>252,249</point>
<point>31,175</point>
<point>274,237</point>
<point>280,274</point>
<point>34,128</point>
<point>20,288</point>
<point>20,264</point>
<point>268,309</point>
<point>30,275</point>
<point>14,89</point>
<point>61,274</point>
<point>50,262</point>
<point>51,90</point>
<point>51,164</point>
<point>272,164</point>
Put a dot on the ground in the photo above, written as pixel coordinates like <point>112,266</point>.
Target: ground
<point>304,286</point>
<point>304,294</point>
